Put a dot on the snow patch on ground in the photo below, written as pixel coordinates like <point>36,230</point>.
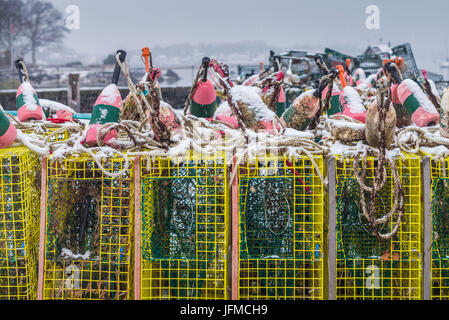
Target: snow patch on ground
<point>67,254</point>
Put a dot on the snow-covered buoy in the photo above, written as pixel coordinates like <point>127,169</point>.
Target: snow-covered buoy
<point>414,100</point>
<point>106,108</point>
<point>334,103</point>
<point>8,132</point>
<point>204,99</point>
<point>256,115</point>
<point>351,102</point>
<point>27,101</point>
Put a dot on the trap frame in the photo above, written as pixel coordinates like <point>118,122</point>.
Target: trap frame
<point>367,268</point>
<point>439,229</point>
<point>19,223</point>
<point>184,228</point>
<point>86,230</point>
<point>279,254</point>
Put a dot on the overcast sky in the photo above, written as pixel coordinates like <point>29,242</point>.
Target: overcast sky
<point>110,24</point>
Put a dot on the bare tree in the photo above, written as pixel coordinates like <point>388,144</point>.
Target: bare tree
<point>43,24</point>
<point>11,20</point>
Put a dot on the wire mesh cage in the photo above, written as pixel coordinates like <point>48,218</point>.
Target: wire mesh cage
<point>19,223</point>
<point>370,63</point>
<point>281,208</point>
<point>184,228</point>
<point>368,268</point>
<point>405,51</point>
<point>89,230</point>
<point>440,230</point>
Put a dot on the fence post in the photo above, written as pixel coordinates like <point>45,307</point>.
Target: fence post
<point>332,228</point>
<point>73,92</point>
<point>235,232</point>
<point>427,194</point>
<point>43,222</point>
<point>137,229</point>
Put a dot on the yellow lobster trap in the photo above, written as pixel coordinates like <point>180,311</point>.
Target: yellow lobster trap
<point>279,239</point>
<point>440,229</point>
<point>86,248</point>
<point>184,228</point>
<point>367,268</point>
<point>19,223</point>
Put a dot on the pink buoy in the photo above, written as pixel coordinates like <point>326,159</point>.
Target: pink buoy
<point>106,109</point>
<point>421,109</point>
<point>8,132</point>
<point>28,105</point>
<point>352,104</point>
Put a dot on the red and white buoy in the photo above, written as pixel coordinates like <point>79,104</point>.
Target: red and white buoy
<point>107,108</point>
<point>27,101</point>
<point>351,102</point>
<point>204,99</point>
<point>8,132</point>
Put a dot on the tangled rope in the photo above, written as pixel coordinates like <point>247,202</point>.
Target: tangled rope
<point>380,174</point>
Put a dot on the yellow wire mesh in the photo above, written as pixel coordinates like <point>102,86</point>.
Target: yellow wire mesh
<point>281,229</point>
<point>19,223</point>
<point>184,228</point>
<point>89,230</point>
<point>366,267</point>
<point>440,229</point>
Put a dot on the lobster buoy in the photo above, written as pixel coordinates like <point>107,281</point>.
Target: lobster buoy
<point>359,76</point>
<point>351,102</point>
<point>372,124</point>
<point>204,99</point>
<point>8,132</point>
<point>27,101</point>
<point>256,115</point>
<point>334,103</point>
<point>444,114</point>
<point>403,119</point>
<point>107,108</point>
<point>302,111</point>
<point>280,106</point>
<point>423,112</point>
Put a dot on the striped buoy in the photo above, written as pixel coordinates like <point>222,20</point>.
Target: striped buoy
<point>334,104</point>
<point>280,106</point>
<point>351,102</point>
<point>204,99</point>
<point>27,101</point>
<point>417,104</point>
<point>8,132</point>
<point>106,108</point>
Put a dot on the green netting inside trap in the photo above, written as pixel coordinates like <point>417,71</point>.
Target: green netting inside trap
<point>355,240</point>
<point>74,211</point>
<point>88,238</point>
<point>440,228</point>
<point>267,215</point>
<point>369,268</point>
<point>183,228</point>
<point>173,224</point>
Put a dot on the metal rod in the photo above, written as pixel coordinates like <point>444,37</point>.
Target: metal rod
<point>43,222</point>
<point>137,229</point>
<point>332,227</point>
<point>427,197</point>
